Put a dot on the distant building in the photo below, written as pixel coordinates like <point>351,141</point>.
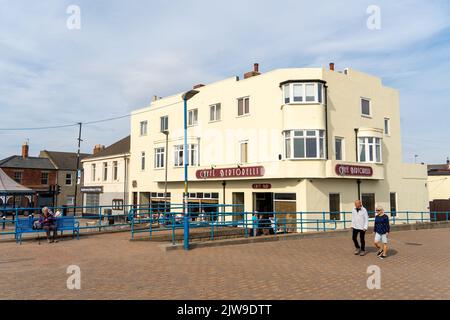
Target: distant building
<point>105,181</point>
<point>439,186</point>
<point>66,164</point>
<point>36,173</point>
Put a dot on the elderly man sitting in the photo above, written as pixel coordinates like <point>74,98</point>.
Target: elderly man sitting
<point>48,222</point>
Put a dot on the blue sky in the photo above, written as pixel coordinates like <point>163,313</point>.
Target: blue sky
<point>127,51</point>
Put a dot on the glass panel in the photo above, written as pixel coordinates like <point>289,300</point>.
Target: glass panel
<point>298,92</point>
<point>286,93</point>
<point>247,105</point>
<point>321,148</point>
<point>298,133</point>
<point>240,107</point>
<point>212,112</point>
<point>335,206</point>
<point>288,147</point>
<point>299,147</point>
<point>311,133</point>
<point>365,107</point>
<point>378,153</point>
<point>319,91</point>
<point>311,148</point>
<point>371,158</point>
<point>218,111</point>
<point>285,196</point>
<point>362,152</point>
<point>338,148</point>
<point>310,95</point>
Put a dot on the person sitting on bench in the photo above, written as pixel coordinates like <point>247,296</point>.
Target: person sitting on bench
<point>48,223</point>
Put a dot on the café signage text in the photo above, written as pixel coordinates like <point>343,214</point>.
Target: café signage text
<point>352,170</point>
<point>244,172</point>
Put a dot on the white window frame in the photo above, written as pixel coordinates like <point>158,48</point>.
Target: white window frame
<point>47,177</point>
<point>342,148</point>
<point>164,123</point>
<point>193,117</point>
<point>361,107</point>
<point>143,161</point>
<point>320,143</point>
<point>288,89</point>
<point>115,170</point>
<point>240,152</point>
<point>93,171</point>
<point>159,161</point>
<point>71,179</point>
<point>247,98</point>
<point>364,141</point>
<point>143,128</point>
<point>178,160</point>
<point>387,125</point>
<point>215,112</point>
<point>105,171</point>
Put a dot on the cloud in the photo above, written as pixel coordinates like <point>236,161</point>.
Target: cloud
<point>127,51</point>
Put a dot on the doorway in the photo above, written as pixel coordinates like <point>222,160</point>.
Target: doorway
<point>263,201</point>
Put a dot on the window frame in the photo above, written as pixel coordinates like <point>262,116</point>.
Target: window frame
<point>159,159</point>
<point>334,215</point>
<point>213,111</point>
<point>93,171</point>
<point>361,107</point>
<point>193,155</point>
<point>193,115</point>
<point>115,170</point>
<point>143,125</point>
<point>319,136</point>
<point>66,179</point>
<point>387,125</point>
<point>164,123</point>
<point>367,146</point>
<point>20,173</point>
<point>105,171</point>
<point>143,161</point>
<point>244,107</point>
<point>292,99</point>
<point>342,141</point>
<point>241,144</point>
<point>47,178</point>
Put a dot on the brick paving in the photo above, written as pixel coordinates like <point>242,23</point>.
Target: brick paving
<point>112,267</point>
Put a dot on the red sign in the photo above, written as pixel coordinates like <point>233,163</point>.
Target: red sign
<point>261,186</point>
<point>351,170</point>
<point>230,173</point>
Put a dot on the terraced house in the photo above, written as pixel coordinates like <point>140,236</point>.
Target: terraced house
<point>288,140</point>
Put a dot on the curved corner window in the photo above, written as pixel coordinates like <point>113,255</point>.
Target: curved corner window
<point>304,144</point>
<point>304,92</point>
<point>369,149</point>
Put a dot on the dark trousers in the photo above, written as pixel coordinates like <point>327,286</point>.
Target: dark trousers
<point>50,228</point>
<point>362,235</point>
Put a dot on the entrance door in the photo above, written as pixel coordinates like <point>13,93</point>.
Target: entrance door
<point>263,202</point>
<point>368,201</point>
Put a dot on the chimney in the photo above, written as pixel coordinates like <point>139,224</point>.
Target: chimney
<point>198,86</point>
<point>25,149</point>
<point>448,163</point>
<point>253,73</point>
<point>154,98</point>
<point>98,148</point>
<point>332,66</point>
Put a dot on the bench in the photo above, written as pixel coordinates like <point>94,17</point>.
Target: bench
<point>25,225</point>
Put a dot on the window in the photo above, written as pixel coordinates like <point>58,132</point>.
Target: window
<point>303,93</point>
<point>159,157</point>
<point>193,117</point>
<point>339,148</point>
<point>393,203</point>
<point>335,206</point>
<point>93,172</point>
<point>92,203</point>
<point>215,112</point>
<point>238,205</point>
<point>365,107</point>
<point>164,123</point>
<point>70,200</point>
<point>18,176</point>
<point>115,171</point>
<point>143,127</point>
<point>192,155</point>
<point>368,201</point>
<point>143,160</point>
<point>369,149</point>
<point>244,152</point>
<point>387,126</point>
<point>243,106</point>
<point>117,204</point>
<point>68,179</point>
<point>105,171</point>
<point>44,177</point>
<point>304,144</point>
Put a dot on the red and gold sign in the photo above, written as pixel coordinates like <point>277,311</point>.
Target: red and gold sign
<point>223,173</point>
<point>353,170</point>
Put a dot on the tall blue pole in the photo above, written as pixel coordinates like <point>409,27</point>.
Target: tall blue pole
<point>185,194</point>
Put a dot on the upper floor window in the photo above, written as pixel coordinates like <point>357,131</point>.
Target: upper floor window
<point>159,157</point>
<point>115,171</point>
<point>143,160</point>
<point>68,179</point>
<point>215,112</point>
<point>164,123</point>
<point>304,144</point>
<point>244,151</point>
<point>18,176</point>
<point>303,92</point>
<point>193,117</point>
<point>143,128</point>
<point>366,107</point>
<point>93,169</point>
<point>44,177</point>
<point>369,149</point>
<point>339,148</point>
<point>387,126</point>
<point>105,171</point>
<point>243,106</point>
<point>192,159</point>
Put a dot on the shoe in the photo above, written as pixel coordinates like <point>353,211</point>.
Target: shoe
<point>362,253</point>
<point>379,253</point>
<point>357,252</point>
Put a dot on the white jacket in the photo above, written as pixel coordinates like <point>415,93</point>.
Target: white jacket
<point>360,219</point>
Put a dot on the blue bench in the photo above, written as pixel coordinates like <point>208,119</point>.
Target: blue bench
<point>25,225</point>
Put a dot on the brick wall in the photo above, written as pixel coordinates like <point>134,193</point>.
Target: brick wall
<point>31,178</point>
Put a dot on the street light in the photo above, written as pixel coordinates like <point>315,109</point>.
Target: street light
<point>186,96</point>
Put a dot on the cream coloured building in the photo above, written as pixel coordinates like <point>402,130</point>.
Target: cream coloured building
<point>291,140</point>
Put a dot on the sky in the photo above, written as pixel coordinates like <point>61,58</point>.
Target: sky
<point>127,51</point>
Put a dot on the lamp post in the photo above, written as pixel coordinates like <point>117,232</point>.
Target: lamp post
<point>186,96</point>
<point>166,133</point>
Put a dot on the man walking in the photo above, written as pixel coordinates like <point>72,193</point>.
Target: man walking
<point>360,223</point>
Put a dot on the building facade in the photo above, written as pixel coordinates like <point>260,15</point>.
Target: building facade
<point>66,164</point>
<point>439,187</point>
<point>105,181</point>
<point>36,173</point>
<point>289,140</point>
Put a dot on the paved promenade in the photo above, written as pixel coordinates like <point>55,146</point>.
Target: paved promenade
<point>112,267</point>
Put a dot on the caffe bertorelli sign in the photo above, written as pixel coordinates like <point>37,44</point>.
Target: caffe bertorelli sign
<point>222,173</point>
<point>352,170</point>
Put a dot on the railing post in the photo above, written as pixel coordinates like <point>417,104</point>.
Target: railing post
<point>301,222</point>
<point>407,217</point>
<point>323,220</point>
<point>132,223</point>
<point>275,227</point>
<point>317,224</point>
<point>446,216</point>
<point>173,228</point>
<point>4,222</point>
<point>345,220</point>
<point>421,216</point>
<point>245,225</point>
